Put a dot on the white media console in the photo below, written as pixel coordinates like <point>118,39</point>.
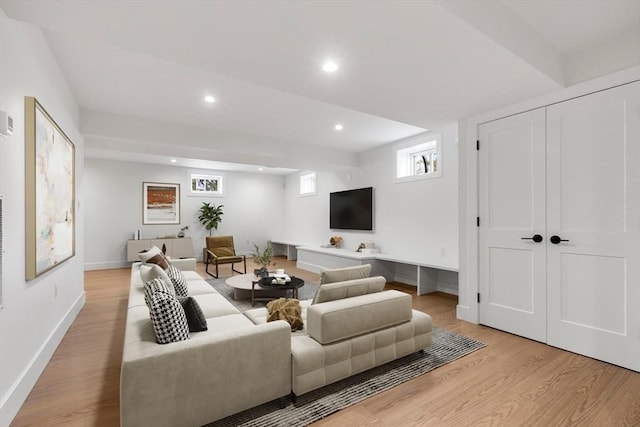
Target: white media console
<point>427,277</point>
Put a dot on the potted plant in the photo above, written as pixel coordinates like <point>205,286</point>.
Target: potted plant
<point>263,258</point>
<point>210,215</point>
<point>182,230</point>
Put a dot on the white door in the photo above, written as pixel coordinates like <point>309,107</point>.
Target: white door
<point>593,202</point>
<point>512,211</point>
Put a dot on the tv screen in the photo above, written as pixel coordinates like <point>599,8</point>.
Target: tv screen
<point>351,209</point>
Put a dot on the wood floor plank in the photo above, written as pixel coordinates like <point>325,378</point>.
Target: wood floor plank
<point>511,382</point>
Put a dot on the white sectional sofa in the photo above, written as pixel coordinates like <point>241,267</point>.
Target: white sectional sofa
<point>351,326</point>
<point>233,366</point>
<point>242,360</point>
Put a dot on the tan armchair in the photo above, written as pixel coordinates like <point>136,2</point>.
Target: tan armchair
<point>220,250</point>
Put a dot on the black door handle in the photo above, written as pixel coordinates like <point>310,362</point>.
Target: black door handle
<point>556,239</point>
<point>536,238</point>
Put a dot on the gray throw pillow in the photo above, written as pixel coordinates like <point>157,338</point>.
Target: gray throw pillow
<point>348,289</point>
<point>194,314</point>
<point>346,273</point>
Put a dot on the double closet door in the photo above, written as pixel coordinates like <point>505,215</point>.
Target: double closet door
<point>559,233</point>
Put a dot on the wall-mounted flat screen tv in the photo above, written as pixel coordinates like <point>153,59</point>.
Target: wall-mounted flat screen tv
<point>351,209</point>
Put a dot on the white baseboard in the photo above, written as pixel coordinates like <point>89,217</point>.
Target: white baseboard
<point>20,390</point>
<point>463,313</point>
<point>448,288</point>
<point>88,266</point>
<point>309,267</point>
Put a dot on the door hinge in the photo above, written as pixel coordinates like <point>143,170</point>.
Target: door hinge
<point>478,221</point>
<point>477,144</point>
<point>478,297</point>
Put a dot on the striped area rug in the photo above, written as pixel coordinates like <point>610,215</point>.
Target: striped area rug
<point>315,405</point>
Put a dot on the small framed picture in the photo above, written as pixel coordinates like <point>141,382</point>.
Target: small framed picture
<point>206,185</point>
<point>161,203</point>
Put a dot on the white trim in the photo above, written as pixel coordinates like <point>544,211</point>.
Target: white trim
<point>19,391</point>
<point>106,265</point>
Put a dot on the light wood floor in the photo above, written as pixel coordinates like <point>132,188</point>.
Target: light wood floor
<point>511,382</point>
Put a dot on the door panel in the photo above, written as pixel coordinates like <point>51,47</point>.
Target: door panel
<point>585,302</point>
<point>509,167</point>
<point>593,193</point>
<point>512,206</point>
<point>511,279</point>
<point>592,170</point>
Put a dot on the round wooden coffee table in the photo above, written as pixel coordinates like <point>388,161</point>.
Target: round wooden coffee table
<point>251,286</point>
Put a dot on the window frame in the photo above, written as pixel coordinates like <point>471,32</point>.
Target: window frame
<point>301,179</point>
<point>405,152</point>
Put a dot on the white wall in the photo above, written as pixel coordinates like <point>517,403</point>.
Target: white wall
<point>113,191</point>
<point>35,314</point>
<point>416,220</point>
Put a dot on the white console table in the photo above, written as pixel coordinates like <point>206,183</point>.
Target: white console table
<point>425,276</point>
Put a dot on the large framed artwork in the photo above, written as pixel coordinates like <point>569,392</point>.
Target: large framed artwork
<point>50,192</point>
<point>161,203</point>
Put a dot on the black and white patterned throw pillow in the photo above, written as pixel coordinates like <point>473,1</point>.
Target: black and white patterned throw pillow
<point>153,286</point>
<point>168,318</point>
<point>178,281</point>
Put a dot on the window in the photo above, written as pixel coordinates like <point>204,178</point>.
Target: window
<point>205,185</point>
<point>308,184</point>
<point>418,159</point>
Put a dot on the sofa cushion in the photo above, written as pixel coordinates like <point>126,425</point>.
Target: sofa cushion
<point>215,305</point>
<point>178,281</point>
<point>168,318</point>
<point>348,289</point>
<point>194,314</point>
<point>150,272</point>
<point>350,317</point>
<point>347,273</point>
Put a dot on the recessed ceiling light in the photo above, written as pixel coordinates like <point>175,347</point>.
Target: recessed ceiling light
<point>338,127</point>
<point>330,66</point>
<point>210,99</point>
<point>173,160</point>
<point>260,169</point>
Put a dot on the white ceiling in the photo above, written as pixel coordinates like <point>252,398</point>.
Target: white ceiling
<point>139,70</point>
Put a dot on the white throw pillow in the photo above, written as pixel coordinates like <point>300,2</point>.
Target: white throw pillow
<point>151,271</point>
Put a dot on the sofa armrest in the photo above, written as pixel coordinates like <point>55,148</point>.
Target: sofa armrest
<point>341,319</point>
<point>207,377</point>
<point>184,264</point>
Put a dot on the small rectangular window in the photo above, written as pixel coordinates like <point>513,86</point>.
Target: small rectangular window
<point>418,159</point>
<point>308,184</point>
